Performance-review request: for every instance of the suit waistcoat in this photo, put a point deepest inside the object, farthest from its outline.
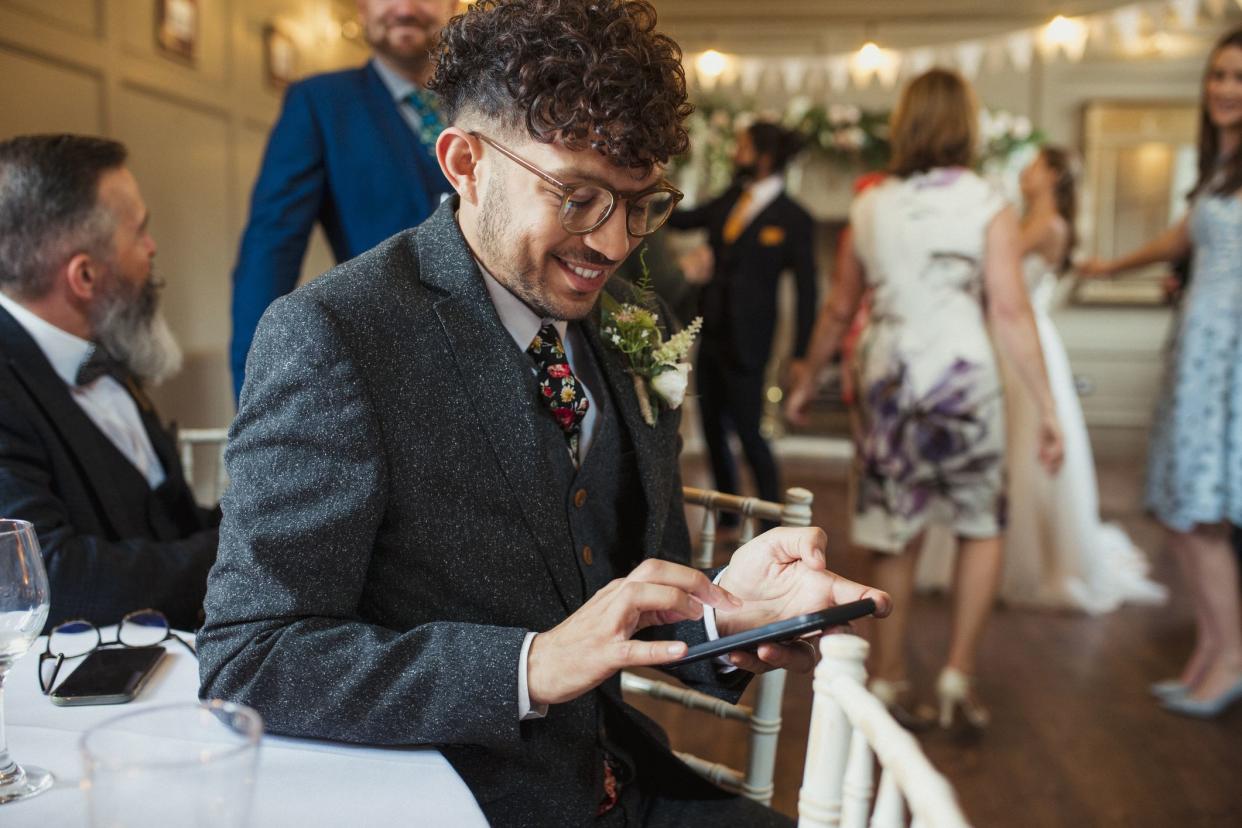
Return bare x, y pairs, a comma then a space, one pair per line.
603, 501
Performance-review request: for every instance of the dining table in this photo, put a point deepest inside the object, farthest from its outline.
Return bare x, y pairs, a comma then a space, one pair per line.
300, 783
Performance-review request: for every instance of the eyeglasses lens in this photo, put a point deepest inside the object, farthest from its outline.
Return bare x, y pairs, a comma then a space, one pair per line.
73, 638
143, 628
584, 208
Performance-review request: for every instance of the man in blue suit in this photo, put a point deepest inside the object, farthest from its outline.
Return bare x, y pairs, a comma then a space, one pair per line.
353, 150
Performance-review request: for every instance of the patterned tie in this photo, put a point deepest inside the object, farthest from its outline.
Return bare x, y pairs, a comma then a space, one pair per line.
736, 222
558, 387
427, 108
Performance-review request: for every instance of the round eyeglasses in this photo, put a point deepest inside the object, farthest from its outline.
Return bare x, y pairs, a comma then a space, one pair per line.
79, 637
586, 207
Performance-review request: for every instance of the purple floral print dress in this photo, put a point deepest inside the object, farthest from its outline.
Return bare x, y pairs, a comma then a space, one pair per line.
932, 442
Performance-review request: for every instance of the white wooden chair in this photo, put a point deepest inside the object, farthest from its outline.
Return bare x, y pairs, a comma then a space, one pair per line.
207, 490
764, 719
850, 730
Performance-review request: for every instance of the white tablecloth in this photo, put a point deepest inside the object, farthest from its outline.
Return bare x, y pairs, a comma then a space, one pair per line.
301, 783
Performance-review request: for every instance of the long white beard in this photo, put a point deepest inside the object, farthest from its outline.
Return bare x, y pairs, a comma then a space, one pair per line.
135, 332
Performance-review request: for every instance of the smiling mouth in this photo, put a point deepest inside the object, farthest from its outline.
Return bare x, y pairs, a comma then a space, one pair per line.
582, 271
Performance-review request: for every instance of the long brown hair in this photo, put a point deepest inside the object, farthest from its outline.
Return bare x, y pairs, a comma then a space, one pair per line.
1064, 193
935, 124
1210, 164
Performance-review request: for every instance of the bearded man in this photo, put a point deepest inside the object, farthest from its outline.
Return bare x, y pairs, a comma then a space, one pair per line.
352, 150
83, 455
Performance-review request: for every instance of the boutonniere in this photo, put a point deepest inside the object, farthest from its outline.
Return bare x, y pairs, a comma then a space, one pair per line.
657, 366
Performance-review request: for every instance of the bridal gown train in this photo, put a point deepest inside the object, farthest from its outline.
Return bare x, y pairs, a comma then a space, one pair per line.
1058, 553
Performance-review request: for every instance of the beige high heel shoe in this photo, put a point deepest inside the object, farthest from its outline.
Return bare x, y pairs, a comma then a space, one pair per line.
955, 690
891, 694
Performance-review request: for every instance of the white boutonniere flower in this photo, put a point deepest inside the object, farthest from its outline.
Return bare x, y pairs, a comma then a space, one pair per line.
657, 367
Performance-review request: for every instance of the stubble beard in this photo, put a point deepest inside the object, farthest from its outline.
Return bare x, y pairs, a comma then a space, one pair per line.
502, 250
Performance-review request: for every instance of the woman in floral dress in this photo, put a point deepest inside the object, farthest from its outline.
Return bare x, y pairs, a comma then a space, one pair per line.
938, 248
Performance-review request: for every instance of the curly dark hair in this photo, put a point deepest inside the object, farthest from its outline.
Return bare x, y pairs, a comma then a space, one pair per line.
590, 73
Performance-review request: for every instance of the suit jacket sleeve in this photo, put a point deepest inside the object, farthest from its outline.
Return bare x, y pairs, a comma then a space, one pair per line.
806, 279
700, 217
286, 601
89, 575
286, 202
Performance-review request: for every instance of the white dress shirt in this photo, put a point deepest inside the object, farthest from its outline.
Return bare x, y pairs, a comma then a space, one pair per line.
762, 193
105, 401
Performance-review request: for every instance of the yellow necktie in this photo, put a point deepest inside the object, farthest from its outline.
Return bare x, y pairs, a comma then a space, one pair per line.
736, 222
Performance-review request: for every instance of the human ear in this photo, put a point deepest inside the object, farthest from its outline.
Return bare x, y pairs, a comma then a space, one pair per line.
82, 274
458, 154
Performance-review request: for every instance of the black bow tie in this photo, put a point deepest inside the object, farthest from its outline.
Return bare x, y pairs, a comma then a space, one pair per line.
99, 363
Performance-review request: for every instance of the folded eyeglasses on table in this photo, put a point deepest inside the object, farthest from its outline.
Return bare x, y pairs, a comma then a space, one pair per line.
78, 637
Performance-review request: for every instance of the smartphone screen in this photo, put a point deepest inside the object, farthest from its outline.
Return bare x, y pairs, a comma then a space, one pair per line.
109, 676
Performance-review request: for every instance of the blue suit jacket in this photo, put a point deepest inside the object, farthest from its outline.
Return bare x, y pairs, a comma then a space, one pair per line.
342, 155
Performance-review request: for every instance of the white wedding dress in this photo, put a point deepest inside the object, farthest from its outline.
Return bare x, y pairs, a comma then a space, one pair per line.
1058, 553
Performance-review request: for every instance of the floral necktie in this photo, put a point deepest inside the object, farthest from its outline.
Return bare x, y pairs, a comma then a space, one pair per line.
558, 387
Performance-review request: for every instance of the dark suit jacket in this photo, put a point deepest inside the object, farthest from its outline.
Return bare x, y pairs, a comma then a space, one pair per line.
385, 546
739, 303
342, 155
110, 544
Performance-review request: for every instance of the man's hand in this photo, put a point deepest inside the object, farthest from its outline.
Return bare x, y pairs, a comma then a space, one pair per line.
782, 574
586, 648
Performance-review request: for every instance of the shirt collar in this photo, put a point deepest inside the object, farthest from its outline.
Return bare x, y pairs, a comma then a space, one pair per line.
63, 350
398, 85
764, 191
520, 321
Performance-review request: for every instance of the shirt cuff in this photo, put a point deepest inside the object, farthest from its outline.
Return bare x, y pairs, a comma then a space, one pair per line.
723, 665
525, 711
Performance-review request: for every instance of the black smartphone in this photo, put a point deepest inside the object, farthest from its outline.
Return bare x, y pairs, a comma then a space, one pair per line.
108, 676
786, 630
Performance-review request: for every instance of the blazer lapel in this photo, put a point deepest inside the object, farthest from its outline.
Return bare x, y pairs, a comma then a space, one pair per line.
405, 152
88, 448
655, 446
502, 389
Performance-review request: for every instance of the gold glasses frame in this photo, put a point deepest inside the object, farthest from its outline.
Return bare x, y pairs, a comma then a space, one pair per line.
615, 196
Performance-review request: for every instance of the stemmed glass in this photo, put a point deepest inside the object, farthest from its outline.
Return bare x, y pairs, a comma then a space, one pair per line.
23, 609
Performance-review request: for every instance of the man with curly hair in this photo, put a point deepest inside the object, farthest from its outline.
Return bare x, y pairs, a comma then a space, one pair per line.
448, 523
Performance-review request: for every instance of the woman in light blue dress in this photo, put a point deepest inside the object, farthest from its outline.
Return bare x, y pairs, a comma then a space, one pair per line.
1194, 484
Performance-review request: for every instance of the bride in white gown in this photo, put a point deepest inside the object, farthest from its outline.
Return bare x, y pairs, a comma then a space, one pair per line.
1058, 553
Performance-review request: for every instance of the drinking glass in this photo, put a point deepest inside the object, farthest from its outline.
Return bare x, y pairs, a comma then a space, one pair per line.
184, 764
23, 609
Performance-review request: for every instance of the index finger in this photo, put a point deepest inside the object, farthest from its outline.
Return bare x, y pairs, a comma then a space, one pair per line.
688, 580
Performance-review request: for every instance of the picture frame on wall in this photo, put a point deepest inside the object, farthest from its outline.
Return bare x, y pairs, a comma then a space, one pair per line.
176, 28
280, 57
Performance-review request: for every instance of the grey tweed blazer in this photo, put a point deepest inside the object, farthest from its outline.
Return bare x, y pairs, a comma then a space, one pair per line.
384, 549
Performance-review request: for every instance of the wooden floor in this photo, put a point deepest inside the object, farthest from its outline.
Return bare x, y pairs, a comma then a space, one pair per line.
1075, 739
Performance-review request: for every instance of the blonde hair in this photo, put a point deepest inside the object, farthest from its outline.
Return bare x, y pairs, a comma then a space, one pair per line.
935, 124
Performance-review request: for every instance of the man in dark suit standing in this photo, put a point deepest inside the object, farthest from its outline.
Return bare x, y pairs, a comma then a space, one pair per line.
352, 150
449, 523
757, 233
83, 455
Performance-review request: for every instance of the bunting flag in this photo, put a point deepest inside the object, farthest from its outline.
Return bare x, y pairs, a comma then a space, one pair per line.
1130, 26
1021, 49
838, 69
969, 57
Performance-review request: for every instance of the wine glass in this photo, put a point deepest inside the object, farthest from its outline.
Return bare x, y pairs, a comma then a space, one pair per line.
23, 609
